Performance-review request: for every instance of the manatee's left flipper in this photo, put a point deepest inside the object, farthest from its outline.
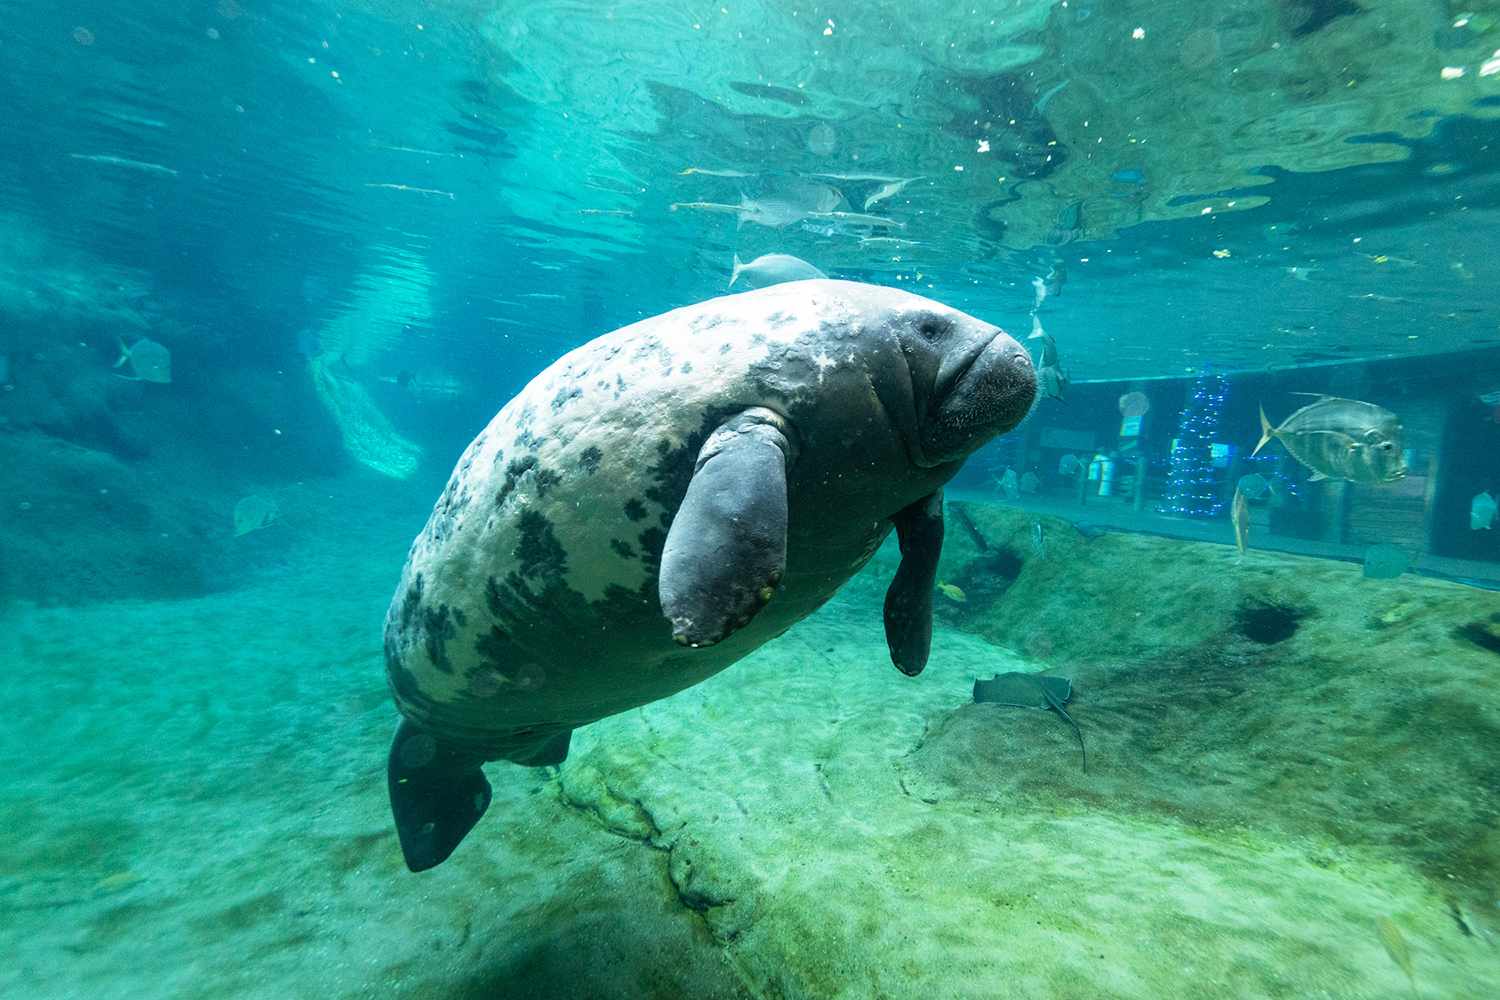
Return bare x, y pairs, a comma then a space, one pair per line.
908, 602
438, 792
726, 549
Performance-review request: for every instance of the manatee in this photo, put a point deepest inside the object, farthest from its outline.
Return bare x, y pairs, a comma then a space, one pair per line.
662, 501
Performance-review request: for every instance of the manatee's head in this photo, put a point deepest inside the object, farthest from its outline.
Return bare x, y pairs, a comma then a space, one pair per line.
970, 381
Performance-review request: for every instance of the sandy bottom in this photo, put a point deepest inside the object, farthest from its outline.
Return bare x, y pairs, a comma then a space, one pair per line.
194, 806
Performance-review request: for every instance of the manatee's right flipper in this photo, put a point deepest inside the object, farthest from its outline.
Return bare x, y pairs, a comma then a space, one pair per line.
726, 550
908, 602
438, 792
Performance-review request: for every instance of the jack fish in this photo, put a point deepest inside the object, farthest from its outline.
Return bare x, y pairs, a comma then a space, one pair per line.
1341, 439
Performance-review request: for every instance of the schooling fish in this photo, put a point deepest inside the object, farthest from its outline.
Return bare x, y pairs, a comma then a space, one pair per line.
772, 212
709, 172
772, 269
857, 219
149, 361
887, 189
1341, 439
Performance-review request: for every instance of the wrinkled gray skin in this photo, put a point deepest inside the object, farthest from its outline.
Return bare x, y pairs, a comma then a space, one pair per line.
667, 498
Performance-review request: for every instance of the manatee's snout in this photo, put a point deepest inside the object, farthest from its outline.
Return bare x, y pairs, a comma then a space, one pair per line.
981, 392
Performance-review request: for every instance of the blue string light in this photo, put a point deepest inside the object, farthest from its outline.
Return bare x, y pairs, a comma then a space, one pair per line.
1192, 486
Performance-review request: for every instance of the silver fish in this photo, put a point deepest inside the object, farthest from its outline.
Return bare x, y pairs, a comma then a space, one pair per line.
1051, 380
774, 212
710, 172
127, 163
1038, 539
887, 190
772, 269
857, 219
1341, 439
1239, 515
893, 241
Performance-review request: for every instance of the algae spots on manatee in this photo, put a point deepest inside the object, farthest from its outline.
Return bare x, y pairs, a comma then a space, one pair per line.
542, 479
437, 627
622, 548
590, 459
538, 552
565, 396
410, 602
634, 509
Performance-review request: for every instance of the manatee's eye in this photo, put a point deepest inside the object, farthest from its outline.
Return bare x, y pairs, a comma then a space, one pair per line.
932, 327
1387, 446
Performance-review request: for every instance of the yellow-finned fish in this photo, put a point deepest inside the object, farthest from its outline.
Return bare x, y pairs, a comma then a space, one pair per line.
952, 591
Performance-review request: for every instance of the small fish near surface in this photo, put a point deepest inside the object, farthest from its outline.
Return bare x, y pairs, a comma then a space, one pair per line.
1239, 514
148, 360
952, 591
1021, 690
427, 383
1051, 380
887, 190
772, 269
1341, 439
859, 219
1038, 539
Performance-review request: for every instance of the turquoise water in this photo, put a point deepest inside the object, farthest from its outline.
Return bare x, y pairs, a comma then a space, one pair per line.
267, 269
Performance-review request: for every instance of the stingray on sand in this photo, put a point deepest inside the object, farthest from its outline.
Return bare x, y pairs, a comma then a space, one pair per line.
1021, 690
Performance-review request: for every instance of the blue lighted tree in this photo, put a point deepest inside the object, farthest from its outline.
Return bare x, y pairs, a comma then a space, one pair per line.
1192, 486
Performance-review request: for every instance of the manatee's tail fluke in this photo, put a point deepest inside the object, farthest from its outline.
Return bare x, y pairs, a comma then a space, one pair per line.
734, 275
438, 792
1267, 432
